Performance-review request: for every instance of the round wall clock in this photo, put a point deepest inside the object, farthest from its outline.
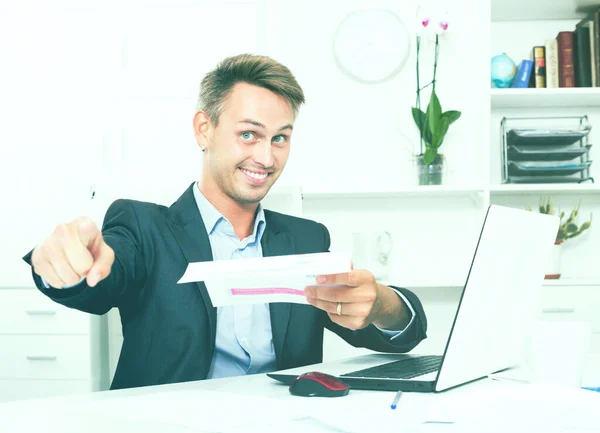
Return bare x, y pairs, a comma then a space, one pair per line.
371, 45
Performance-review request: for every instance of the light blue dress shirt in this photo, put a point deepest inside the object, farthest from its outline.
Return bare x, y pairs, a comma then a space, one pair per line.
244, 341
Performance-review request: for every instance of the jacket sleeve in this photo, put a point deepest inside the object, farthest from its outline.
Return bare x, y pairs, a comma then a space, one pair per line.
121, 231
374, 339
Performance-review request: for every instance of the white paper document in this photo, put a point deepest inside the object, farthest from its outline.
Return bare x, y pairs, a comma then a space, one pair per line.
264, 279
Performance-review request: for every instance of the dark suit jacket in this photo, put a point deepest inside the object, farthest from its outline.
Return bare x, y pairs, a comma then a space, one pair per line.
169, 328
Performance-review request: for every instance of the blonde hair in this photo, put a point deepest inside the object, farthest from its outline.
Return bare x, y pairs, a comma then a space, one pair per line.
261, 71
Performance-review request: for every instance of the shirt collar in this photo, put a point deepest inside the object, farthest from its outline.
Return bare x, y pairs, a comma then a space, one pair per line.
212, 217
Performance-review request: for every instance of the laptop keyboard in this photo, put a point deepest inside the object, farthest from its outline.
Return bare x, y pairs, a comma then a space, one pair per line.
402, 369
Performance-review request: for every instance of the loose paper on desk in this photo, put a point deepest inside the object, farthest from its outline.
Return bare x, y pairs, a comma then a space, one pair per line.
264, 279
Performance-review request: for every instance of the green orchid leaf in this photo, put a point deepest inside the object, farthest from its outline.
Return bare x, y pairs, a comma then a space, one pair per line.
419, 117
438, 136
452, 116
434, 113
429, 156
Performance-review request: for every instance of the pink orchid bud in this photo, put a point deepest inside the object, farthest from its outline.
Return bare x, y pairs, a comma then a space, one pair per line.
442, 22
423, 20
423, 25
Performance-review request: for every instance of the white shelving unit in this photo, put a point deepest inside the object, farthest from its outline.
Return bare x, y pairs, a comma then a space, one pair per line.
548, 98
577, 189
516, 26
572, 282
526, 10
414, 191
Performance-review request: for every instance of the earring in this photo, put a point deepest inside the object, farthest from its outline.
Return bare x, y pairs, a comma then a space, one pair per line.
203, 148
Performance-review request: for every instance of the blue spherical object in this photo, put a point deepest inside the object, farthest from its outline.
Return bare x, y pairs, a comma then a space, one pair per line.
503, 71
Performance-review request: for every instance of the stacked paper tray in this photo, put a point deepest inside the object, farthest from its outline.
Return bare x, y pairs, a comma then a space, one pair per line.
547, 155
545, 137
525, 169
559, 153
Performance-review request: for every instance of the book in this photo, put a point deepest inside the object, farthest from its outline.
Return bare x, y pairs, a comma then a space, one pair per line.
596, 26
566, 59
539, 66
583, 67
523, 74
594, 54
552, 63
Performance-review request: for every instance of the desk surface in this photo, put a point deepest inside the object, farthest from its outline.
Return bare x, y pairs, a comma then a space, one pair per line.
261, 404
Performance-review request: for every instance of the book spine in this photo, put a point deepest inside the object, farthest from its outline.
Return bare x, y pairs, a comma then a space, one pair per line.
593, 54
552, 63
583, 69
566, 60
596, 19
539, 62
523, 74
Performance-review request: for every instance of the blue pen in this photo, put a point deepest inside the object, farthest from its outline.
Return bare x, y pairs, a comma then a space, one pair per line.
396, 399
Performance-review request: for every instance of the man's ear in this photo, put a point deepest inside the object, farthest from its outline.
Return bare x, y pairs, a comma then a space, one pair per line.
201, 127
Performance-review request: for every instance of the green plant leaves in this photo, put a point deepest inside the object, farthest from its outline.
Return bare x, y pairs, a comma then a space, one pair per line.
433, 125
452, 116
418, 117
429, 156
434, 113
438, 135
569, 228
421, 122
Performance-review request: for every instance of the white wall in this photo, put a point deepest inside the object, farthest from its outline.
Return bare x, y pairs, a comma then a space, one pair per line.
361, 137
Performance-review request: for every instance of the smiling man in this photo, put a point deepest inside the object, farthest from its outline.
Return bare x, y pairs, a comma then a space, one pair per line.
172, 333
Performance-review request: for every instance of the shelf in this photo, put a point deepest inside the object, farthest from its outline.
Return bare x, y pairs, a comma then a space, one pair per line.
545, 98
414, 191
572, 282
530, 10
544, 188
411, 285
459, 285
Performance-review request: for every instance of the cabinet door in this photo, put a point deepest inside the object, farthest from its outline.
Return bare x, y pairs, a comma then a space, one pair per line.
29, 312
45, 357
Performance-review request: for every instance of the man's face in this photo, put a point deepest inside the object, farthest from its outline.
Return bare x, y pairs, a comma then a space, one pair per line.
249, 148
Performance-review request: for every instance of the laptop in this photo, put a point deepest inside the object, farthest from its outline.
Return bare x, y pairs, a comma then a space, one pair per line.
497, 303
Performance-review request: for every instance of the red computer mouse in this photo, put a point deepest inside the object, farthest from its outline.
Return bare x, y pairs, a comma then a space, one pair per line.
315, 384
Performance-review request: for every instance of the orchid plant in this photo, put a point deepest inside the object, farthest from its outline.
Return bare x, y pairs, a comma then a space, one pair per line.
433, 123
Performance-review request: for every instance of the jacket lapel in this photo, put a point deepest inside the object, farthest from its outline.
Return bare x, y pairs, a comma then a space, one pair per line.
188, 228
277, 243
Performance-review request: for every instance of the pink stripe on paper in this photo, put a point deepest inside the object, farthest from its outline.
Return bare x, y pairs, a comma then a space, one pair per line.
266, 291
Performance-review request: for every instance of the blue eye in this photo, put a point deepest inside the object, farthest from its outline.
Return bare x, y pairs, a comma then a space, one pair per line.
247, 135
279, 139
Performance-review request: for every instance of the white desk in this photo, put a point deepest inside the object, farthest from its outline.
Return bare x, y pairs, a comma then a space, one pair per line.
184, 408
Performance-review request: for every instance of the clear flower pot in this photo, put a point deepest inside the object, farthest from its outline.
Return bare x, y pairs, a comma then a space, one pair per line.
430, 174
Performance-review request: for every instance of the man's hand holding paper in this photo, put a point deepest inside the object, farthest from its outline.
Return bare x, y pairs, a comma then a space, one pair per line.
351, 298
354, 300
